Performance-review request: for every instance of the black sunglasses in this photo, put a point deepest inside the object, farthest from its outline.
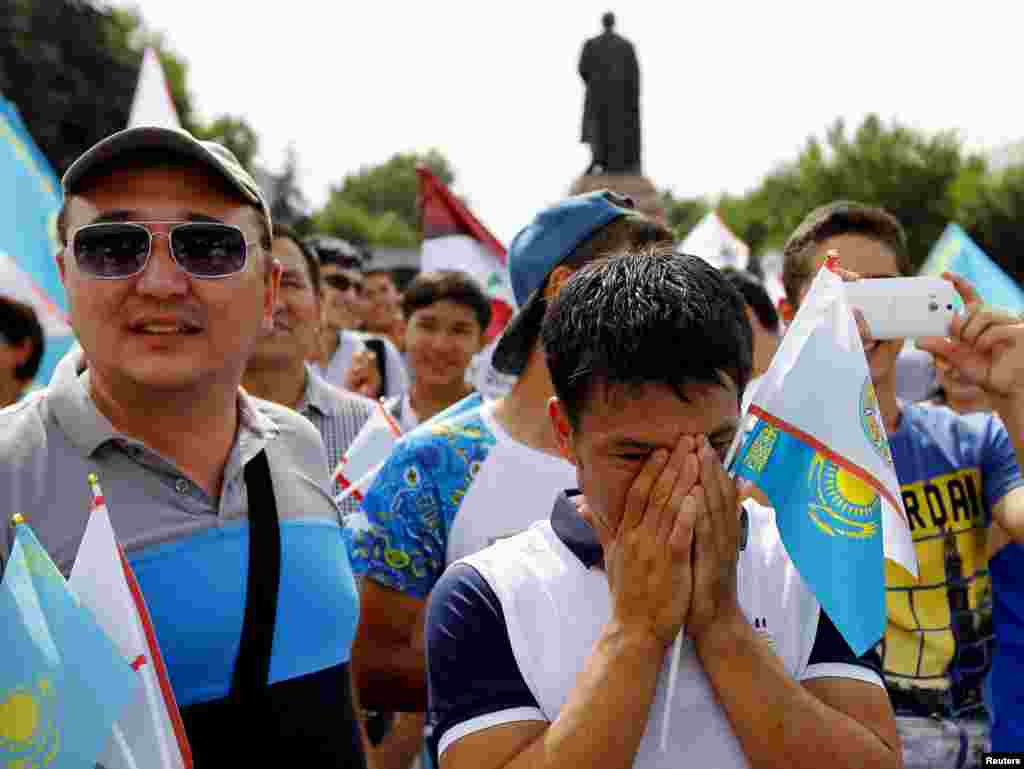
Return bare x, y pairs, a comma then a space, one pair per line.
122, 249
343, 283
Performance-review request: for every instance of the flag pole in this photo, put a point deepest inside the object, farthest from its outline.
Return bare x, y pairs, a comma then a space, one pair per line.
361, 482
152, 698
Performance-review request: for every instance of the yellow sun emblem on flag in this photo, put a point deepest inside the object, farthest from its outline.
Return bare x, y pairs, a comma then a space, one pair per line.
29, 737
842, 504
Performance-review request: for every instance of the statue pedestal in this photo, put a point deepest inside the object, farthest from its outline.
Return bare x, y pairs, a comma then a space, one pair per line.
639, 188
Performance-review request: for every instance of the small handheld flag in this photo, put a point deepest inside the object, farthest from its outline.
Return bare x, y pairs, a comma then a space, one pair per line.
367, 453
820, 452
63, 682
151, 733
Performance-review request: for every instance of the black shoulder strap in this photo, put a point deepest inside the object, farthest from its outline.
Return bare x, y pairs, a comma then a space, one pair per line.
378, 347
252, 666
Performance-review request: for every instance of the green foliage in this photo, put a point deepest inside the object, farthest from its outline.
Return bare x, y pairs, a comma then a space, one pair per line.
354, 223
992, 215
377, 204
235, 134
71, 67
924, 180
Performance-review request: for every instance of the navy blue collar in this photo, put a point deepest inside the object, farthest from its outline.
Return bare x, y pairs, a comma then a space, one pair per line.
575, 533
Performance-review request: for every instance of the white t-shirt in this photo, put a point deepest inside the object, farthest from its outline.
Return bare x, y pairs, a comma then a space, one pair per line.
510, 628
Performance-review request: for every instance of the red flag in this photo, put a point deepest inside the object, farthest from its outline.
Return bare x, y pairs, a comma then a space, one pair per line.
454, 239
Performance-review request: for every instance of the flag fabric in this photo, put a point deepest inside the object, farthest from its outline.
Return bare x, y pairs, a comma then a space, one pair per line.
30, 199
819, 451
153, 104
368, 451
956, 252
715, 243
454, 239
63, 682
152, 730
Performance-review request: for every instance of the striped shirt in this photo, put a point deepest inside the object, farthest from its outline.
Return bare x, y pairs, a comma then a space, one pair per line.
338, 415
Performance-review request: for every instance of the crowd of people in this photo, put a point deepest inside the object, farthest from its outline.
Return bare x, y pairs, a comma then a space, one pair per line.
508, 589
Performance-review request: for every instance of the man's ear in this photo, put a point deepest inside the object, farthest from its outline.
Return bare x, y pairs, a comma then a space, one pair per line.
271, 291
562, 428
786, 310
558, 278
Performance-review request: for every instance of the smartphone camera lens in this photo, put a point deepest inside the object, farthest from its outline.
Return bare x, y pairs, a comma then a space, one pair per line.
949, 307
933, 306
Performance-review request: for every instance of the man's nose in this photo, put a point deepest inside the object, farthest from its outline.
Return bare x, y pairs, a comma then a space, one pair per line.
162, 276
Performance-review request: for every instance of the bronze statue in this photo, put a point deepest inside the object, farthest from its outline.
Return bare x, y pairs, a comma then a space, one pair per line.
611, 111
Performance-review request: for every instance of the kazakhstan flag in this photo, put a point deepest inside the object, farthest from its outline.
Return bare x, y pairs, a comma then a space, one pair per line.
63, 683
831, 525
820, 453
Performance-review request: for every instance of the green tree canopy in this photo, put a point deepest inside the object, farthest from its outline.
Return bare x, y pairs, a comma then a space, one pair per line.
71, 68
377, 204
926, 181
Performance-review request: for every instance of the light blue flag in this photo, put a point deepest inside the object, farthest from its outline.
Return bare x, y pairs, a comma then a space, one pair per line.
956, 252
63, 683
30, 199
819, 452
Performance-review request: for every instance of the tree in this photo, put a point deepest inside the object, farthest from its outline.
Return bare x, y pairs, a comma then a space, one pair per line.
71, 68
288, 204
682, 214
908, 173
377, 205
235, 134
992, 212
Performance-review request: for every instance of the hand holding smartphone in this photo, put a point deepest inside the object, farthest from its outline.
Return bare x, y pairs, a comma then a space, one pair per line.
904, 308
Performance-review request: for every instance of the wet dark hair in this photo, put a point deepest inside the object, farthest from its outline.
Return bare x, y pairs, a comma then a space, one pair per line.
842, 217
312, 263
755, 295
457, 286
18, 322
645, 316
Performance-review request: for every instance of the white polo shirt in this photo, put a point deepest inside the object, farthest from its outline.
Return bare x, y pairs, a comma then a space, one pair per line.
510, 628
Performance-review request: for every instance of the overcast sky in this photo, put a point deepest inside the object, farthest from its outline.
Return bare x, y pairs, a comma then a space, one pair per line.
728, 89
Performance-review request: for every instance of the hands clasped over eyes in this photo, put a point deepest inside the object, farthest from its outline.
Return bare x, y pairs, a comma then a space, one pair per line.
673, 559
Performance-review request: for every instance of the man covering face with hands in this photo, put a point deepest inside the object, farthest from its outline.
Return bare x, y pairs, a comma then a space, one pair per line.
553, 648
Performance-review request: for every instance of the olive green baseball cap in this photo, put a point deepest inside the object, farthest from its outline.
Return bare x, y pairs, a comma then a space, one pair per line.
174, 141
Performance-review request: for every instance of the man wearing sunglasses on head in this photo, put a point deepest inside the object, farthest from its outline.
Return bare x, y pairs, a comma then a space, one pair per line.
220, 500
368, 364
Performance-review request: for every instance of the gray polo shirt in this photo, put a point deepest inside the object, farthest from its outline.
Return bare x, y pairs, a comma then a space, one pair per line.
338, 415
189, 550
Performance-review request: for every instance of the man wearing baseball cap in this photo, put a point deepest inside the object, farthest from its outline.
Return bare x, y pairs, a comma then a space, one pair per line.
221, 500
479, 471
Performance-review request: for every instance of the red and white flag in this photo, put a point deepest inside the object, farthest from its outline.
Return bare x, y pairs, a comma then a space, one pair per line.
151, 733
153, 105
367, 453
454, 239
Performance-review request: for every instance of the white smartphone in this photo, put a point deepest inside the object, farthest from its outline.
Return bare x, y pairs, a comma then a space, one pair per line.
904, 308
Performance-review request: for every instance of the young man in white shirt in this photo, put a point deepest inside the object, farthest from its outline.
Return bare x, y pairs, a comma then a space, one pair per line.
552, 648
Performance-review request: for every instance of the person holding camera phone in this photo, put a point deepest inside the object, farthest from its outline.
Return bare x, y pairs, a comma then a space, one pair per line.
961, 486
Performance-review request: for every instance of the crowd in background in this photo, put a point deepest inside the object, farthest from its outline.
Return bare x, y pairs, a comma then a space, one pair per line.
341, 337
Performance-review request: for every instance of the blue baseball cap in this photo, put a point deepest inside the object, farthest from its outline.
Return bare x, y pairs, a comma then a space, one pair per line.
550, 239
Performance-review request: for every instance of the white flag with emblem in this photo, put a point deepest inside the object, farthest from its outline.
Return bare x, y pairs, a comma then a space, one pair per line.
150, 733
367, 453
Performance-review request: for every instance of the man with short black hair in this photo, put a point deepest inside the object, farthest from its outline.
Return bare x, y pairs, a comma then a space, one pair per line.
479, 471
278, 371
552, 648
961, 485
364, 363
221, 501
21, 349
